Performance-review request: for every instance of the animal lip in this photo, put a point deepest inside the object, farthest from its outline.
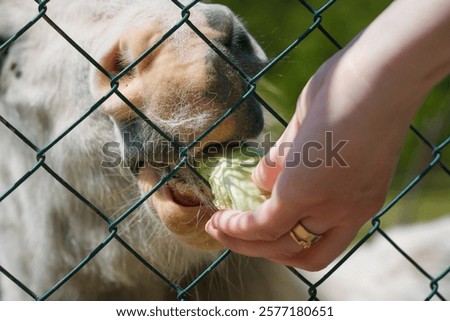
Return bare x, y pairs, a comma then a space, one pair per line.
182, 194
182, 215
182, 188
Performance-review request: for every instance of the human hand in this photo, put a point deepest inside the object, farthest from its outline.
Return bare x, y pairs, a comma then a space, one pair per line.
330, 197
363, 97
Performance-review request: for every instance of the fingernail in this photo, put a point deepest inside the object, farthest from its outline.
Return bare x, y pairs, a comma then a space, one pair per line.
209, 226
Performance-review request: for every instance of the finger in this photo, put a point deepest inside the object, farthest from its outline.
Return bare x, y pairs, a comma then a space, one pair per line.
264, 224
321, 253
266, 172
282, 248
287, 252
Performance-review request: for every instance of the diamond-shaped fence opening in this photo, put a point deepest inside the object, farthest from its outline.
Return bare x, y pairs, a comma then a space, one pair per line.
115, 221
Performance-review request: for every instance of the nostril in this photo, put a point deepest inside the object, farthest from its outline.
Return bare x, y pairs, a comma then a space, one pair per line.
120, 63
240, 40
235, 38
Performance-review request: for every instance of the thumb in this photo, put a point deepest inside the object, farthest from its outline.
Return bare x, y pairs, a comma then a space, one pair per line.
269, 168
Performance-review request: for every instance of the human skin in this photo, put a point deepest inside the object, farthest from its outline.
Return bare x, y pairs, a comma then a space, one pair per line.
367, 95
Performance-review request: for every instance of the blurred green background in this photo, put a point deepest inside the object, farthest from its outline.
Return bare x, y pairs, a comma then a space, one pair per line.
277, 23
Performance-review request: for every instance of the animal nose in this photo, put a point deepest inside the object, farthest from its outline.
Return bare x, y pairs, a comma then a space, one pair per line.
232, 73
184, 86
231, 36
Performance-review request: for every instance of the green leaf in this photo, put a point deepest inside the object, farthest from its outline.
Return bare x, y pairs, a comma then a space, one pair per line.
230, 178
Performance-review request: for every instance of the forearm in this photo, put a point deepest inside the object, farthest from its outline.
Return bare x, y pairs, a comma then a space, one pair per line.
366, 94
404, 52
410, 38
381, 78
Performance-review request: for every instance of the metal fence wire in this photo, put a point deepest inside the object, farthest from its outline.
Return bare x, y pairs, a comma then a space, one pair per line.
44, 6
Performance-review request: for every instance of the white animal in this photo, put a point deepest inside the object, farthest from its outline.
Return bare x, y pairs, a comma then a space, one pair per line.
113, 158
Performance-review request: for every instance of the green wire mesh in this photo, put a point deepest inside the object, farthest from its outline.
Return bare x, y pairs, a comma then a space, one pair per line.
316, 26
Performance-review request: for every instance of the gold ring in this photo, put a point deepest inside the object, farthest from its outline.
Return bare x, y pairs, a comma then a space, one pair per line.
303, 237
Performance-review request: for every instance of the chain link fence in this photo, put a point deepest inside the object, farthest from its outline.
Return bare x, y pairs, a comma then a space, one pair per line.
43, 7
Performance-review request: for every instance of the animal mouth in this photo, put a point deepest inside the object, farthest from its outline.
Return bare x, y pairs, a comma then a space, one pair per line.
183, 204
182, 193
